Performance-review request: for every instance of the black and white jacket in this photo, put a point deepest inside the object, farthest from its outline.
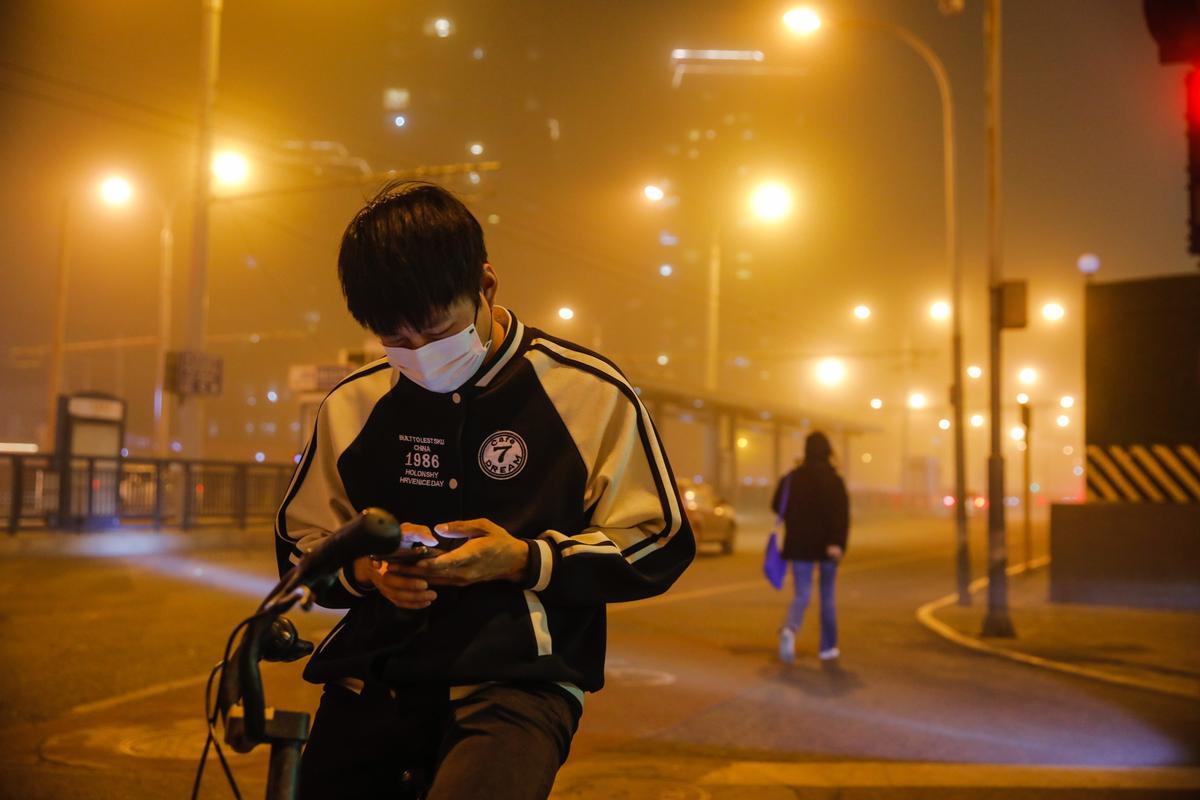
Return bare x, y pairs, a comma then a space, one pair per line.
550, 442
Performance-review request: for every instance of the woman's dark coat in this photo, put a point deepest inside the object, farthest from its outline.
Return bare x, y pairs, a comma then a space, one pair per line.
817, 513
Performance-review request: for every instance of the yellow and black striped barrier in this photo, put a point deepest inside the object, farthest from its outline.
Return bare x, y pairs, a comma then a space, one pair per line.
1140, 473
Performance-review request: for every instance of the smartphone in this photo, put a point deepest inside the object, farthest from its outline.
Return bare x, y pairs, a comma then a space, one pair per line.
411, 555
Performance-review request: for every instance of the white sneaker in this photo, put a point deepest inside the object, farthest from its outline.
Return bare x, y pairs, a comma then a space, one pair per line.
787, 645
830, 654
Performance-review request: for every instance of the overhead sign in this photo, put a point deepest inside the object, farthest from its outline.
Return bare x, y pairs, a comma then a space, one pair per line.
192, 373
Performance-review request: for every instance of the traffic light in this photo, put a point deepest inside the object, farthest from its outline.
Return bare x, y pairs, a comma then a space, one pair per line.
1175, 26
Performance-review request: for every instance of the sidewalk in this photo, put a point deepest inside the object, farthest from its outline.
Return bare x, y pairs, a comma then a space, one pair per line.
1156, 650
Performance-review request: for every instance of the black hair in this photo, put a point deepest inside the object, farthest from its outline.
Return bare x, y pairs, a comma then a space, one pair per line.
411, 252
817, 448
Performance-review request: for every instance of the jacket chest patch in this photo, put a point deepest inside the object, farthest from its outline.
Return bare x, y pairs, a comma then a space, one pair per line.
502, 455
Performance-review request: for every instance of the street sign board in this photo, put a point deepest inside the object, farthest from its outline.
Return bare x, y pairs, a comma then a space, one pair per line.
191, 373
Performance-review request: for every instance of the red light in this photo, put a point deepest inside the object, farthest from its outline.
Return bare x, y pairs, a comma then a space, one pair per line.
1192, 81
980, 502
199, 488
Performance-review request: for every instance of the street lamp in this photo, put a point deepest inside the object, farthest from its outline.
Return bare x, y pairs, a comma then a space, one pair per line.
805, 21
1053, 312
939, 310
771, 201
230, 168
653, 193
115, 191
862, 312
830, 371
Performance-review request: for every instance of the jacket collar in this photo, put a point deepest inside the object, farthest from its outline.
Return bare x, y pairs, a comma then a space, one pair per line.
514, 333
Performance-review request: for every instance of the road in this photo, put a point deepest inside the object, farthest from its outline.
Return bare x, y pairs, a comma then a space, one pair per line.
107, 638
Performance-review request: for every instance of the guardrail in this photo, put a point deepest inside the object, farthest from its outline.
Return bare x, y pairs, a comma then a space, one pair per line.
39, 491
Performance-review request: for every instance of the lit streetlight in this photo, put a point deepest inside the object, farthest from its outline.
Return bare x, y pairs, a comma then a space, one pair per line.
977, 420
230, 168
862, 312
1066, 401
115, 191
830, 371
876, 403
974, 372
1027, 376
944, 424
1063, 420
1053, 312
1022, 398
803, 21
566, 313
940, 310
663, 359
771, 201
917, 401
653, 193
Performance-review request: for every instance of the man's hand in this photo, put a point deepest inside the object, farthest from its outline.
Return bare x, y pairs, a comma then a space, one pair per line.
492, 554
834, 552
404, 591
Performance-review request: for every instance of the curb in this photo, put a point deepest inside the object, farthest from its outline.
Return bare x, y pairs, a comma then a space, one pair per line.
925, 615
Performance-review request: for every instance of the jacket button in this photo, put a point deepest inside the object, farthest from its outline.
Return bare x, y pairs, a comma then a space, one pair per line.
456, 397
454, 483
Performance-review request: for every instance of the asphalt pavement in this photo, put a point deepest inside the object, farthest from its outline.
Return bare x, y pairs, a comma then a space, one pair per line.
107, 640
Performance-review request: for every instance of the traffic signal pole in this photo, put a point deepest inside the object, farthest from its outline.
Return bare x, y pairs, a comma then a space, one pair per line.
996, 622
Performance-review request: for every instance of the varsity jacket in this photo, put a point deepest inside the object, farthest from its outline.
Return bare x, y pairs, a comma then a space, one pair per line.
549, 441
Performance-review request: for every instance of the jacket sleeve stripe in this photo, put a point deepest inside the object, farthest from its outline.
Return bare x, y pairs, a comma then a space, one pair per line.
310, 452
668, 495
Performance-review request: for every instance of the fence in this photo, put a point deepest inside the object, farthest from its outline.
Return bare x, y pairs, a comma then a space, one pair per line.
37, 491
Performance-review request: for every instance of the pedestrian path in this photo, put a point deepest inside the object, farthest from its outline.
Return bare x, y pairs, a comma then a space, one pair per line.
1154, 650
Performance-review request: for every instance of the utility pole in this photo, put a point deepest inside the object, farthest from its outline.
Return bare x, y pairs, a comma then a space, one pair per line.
712, 332
1027, 496
162, 427
58, 340
191, 416
996, 622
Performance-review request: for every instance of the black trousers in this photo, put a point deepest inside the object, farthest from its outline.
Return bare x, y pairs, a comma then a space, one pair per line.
503, 742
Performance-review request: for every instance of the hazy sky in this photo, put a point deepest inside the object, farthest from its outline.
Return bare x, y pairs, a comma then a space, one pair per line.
575, 100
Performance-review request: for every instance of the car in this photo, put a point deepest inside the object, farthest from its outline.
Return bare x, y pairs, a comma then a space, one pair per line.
712, 519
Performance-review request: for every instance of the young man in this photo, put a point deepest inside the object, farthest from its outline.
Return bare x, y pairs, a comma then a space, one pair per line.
534, 456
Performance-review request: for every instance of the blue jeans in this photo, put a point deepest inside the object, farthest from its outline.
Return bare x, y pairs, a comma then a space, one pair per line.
802, 576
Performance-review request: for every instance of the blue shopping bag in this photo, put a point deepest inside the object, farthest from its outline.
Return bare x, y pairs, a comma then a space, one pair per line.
774, 567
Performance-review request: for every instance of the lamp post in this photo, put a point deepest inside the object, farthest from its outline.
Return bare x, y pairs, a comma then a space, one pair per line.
804, 22
997, 621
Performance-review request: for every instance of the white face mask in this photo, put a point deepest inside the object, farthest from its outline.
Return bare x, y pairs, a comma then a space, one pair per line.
444, 365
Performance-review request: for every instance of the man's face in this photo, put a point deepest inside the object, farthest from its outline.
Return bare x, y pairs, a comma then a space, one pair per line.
456, 318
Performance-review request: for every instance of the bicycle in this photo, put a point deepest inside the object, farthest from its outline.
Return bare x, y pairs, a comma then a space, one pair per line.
269, 636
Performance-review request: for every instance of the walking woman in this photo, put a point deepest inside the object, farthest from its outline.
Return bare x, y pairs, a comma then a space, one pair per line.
812, 501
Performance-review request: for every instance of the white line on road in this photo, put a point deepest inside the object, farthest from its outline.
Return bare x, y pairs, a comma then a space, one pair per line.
139, 694
891, 774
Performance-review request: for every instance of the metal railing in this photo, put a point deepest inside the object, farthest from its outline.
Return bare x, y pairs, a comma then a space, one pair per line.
40, 491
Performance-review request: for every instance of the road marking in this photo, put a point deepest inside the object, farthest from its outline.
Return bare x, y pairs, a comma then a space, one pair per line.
891, 774
925, 615
758, 583
677, 597
139, 694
